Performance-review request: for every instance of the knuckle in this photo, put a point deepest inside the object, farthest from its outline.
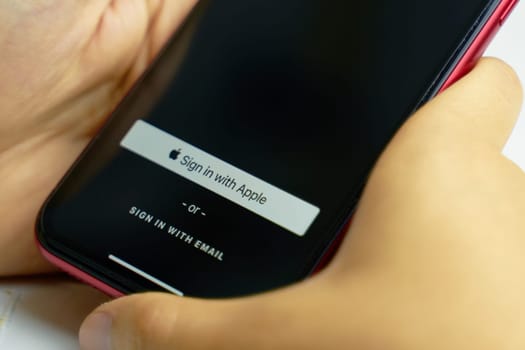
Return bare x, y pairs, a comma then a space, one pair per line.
506, 78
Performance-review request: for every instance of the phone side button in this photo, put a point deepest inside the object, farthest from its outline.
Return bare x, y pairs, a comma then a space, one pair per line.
507, 11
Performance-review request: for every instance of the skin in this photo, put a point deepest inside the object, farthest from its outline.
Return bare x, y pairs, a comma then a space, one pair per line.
434, 258
60, 76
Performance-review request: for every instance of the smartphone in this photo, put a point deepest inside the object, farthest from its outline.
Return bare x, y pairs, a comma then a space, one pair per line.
234, 163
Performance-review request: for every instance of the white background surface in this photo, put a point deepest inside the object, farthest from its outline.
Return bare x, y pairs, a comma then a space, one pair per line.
45, 314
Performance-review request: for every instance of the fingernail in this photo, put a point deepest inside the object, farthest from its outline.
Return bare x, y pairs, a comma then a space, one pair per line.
95, 332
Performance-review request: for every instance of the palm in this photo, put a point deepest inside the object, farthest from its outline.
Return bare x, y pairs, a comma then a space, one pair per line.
63, 66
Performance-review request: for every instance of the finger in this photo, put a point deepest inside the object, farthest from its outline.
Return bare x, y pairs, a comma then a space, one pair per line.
126, 38
479, 109
270, 321
161, 322
129, 34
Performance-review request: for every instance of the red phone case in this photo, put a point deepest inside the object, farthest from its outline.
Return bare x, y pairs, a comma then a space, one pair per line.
464, 65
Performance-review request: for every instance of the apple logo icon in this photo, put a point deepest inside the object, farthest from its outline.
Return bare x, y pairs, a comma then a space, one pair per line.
174, 154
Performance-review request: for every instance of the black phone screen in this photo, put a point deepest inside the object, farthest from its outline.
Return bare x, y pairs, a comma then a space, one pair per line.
240, 155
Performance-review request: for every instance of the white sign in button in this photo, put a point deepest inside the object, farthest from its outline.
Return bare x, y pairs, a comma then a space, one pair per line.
222, 178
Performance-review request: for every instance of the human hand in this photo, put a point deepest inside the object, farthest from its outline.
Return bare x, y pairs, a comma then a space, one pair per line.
64, 65
434, 258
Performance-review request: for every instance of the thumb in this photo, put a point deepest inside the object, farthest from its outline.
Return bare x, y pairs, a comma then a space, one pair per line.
154, 321
480, 109
288, 318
